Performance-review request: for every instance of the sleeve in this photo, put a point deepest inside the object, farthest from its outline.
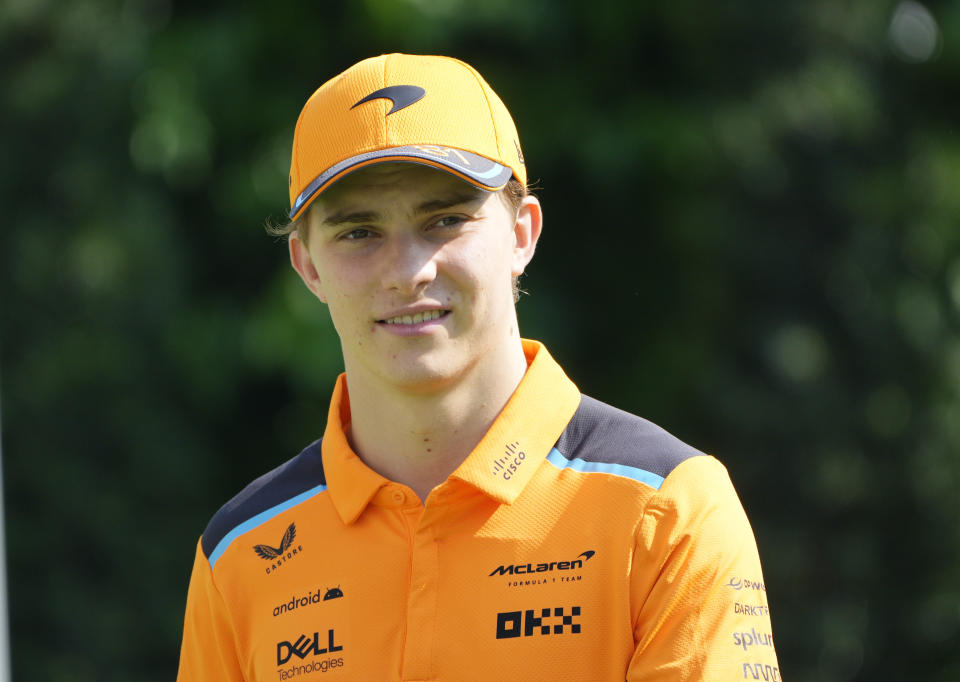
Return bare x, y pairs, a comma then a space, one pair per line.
698, 600
208, 652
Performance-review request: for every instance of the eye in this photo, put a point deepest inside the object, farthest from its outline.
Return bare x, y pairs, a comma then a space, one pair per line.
449, 221
356, 234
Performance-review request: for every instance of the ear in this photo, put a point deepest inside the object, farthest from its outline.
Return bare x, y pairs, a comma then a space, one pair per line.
526, 232
303, 264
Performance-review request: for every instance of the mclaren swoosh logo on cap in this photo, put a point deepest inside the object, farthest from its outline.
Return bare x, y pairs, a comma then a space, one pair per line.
402, 96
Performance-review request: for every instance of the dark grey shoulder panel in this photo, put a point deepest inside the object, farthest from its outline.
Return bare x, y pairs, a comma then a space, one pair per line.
601, 433
293, 477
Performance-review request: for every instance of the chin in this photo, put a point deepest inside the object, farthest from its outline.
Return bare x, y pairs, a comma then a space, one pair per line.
420, 379
423, 373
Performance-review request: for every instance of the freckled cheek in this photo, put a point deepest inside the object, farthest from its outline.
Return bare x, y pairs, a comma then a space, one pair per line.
349, 311
372, 324
464, 280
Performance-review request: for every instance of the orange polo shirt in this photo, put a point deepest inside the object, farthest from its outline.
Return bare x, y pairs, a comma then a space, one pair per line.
576, 542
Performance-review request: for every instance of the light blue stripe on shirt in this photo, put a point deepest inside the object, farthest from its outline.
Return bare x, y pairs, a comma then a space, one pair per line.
651, 479
260, 519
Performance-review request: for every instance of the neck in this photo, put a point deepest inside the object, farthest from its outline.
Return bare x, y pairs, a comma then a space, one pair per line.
428, 434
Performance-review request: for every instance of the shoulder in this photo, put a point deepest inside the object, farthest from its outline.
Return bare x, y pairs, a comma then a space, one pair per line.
287, 485
600, 437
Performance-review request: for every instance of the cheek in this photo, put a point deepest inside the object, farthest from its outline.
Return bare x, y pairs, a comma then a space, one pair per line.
338, 280
346, 300
350, 315
484, 265
346, 304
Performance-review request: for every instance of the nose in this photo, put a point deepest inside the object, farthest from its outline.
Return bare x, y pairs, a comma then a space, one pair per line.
409, 265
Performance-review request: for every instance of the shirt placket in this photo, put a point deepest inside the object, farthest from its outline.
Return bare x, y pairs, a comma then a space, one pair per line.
418, 649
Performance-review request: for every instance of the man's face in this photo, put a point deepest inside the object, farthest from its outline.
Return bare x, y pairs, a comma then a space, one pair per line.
416, 267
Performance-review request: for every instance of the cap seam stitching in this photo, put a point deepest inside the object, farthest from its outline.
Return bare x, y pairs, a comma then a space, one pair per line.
486, 98
383, 139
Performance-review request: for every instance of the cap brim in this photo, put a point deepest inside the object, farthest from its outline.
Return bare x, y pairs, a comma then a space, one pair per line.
475, 169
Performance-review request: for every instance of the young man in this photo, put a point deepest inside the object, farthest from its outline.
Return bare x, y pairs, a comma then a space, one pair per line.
468, 514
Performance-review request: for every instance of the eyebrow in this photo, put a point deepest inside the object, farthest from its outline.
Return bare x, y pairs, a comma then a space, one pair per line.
450, 201
439, 204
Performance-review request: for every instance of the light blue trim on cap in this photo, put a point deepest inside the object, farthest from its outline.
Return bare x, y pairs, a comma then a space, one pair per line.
259, 520
648, 477
495, 170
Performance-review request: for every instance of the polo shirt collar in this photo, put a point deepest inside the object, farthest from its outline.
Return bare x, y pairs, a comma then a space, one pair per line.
351, 483
501, 464
525, 431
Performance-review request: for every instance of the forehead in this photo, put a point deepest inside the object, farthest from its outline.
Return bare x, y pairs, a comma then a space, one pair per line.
396, 180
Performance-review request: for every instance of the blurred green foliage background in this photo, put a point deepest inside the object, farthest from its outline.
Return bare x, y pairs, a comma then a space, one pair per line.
751, 240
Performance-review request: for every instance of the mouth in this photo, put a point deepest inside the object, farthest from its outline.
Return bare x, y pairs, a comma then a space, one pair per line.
416, 318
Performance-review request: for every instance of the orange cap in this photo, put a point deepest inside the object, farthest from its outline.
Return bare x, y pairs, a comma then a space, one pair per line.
435, 111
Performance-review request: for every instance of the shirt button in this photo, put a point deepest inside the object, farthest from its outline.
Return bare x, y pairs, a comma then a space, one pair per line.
398, 496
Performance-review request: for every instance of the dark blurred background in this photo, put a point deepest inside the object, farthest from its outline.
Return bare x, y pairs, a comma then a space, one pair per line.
751, 240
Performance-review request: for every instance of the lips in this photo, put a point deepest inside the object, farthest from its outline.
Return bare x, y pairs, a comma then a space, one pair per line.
416, 318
